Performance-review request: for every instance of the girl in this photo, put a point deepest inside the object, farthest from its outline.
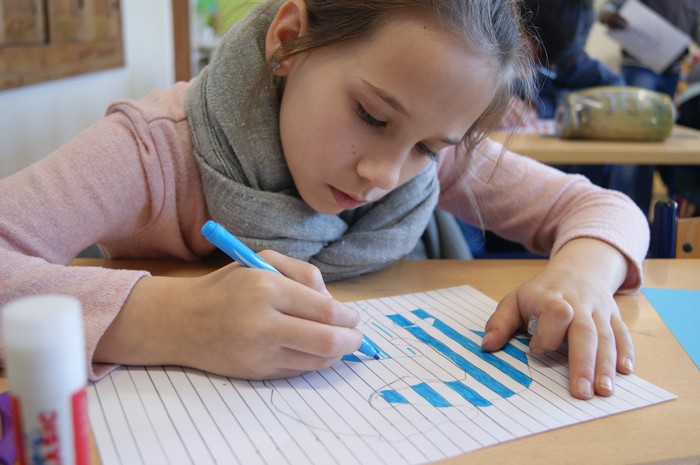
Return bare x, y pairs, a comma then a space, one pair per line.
326, 132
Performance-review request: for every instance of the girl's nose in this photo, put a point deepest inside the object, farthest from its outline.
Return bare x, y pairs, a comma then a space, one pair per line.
383, 170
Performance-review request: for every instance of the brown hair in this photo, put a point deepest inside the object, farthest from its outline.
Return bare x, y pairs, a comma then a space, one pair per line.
491, 27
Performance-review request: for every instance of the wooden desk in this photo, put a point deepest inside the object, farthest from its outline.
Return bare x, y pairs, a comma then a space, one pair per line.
682, 147
660, 432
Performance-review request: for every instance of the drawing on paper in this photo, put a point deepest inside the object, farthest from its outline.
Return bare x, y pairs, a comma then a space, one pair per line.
469, 377
432, 395
471, 383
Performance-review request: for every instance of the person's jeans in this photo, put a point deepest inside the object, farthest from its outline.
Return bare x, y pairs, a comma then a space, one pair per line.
636, 180
646, 78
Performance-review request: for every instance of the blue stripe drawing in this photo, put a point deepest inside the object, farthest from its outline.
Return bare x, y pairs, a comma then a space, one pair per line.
476, 387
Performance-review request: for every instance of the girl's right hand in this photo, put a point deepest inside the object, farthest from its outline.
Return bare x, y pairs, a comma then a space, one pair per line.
238, 322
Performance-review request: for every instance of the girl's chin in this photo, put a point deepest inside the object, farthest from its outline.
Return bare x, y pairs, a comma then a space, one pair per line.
325, 206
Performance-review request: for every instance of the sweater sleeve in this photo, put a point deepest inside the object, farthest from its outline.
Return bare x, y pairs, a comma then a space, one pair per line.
126, 183
540, 207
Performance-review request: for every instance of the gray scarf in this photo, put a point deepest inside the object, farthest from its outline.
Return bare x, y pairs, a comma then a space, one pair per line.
248, 187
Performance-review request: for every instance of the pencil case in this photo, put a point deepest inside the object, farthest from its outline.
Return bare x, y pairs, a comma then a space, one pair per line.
614, 113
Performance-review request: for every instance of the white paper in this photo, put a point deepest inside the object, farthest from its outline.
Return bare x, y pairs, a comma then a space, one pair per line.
648, 37
432, 395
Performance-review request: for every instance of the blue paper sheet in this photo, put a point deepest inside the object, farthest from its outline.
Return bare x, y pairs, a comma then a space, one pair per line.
680, 310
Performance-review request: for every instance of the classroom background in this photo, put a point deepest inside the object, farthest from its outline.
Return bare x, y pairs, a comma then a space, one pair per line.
38, 118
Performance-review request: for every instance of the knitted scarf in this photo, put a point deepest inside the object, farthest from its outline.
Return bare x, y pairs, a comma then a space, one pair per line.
249, 189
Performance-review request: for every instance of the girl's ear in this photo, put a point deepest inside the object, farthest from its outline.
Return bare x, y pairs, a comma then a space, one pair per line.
289, 24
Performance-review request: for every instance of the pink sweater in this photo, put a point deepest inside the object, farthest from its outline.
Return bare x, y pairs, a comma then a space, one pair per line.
130, 183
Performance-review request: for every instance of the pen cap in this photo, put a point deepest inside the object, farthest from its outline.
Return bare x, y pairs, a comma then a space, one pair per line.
44, 345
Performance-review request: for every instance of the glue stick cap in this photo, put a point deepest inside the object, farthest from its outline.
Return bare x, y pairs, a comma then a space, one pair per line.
44, 344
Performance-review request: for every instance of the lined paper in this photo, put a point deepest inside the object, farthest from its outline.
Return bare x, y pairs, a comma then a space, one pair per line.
432, 395
649, 37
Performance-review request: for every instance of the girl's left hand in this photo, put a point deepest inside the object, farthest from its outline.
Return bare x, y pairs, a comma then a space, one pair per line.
572, 299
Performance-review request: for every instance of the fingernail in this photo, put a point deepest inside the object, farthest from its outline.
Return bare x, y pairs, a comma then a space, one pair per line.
346, 309
584, 388
628, 363
532, 325
605, 382
486, 339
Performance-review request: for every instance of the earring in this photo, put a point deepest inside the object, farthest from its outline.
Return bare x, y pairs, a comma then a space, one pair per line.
274, 80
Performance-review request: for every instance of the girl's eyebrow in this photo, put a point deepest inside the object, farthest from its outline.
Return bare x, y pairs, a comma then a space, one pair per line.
396, 105
384, 95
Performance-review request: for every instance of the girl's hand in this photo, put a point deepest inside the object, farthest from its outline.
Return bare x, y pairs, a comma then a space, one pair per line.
238, 322
573, 300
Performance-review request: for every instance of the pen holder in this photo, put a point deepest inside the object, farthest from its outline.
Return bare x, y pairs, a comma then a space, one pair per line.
615, 113
663, 230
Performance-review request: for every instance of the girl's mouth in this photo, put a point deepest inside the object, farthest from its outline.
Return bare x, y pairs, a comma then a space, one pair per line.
346, 201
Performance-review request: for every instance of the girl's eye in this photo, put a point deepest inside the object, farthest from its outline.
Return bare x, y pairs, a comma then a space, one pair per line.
424, 150
369, 119
374, 122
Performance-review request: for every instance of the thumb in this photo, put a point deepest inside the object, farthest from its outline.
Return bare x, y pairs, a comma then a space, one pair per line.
502, 323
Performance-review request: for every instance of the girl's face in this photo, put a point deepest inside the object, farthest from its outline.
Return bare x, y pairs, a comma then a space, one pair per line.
358, 121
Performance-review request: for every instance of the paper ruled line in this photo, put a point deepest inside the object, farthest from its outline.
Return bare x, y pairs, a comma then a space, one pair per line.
431, 396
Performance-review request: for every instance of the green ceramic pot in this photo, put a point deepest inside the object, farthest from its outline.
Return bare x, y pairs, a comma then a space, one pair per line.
615, 113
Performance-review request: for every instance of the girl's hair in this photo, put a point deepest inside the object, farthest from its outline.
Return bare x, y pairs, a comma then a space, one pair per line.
491, 27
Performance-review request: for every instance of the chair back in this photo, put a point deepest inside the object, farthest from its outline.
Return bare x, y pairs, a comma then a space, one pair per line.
688, 237
673, 237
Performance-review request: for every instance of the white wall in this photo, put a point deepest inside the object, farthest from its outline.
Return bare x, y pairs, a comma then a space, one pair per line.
37, 119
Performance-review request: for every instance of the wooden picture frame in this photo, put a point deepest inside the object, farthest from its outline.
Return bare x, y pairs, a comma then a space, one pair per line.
41, 40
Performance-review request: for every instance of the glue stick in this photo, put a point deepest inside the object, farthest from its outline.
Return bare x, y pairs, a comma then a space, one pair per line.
47, 377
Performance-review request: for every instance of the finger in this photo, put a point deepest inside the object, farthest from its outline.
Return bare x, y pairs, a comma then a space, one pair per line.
302, 302
315, 338
620, 22
304, 364
583, 346
552, 325
297, 270
606, 357
502, 323
276, 362
625, 346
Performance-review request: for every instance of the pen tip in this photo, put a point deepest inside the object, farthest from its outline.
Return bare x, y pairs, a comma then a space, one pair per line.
376, 356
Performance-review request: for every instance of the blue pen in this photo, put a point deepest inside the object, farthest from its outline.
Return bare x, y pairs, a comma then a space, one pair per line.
234, 248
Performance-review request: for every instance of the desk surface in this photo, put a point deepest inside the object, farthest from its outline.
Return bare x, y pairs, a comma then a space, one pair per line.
682, 147
659, 432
